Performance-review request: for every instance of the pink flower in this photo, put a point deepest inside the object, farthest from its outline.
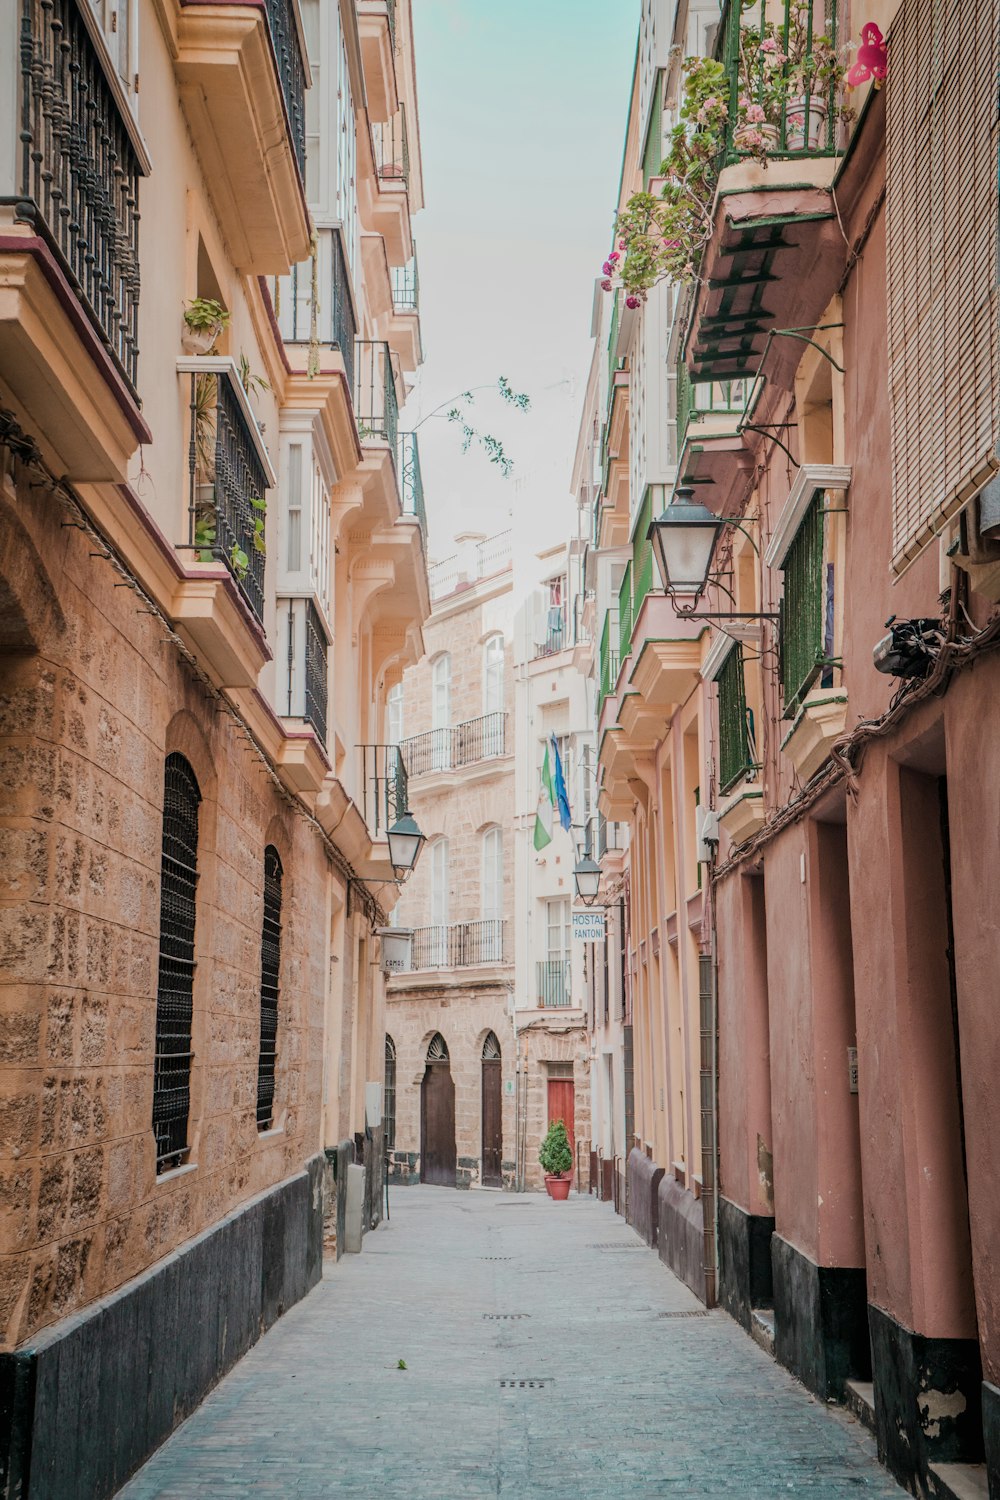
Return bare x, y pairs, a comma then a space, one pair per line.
621, 244
711, 102
614, 256
744, 101
671, 244
756, 115
605, 286
606, 268
769, 44
631, 302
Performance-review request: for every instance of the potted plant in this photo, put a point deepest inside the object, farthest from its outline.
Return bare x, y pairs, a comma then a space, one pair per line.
204, 320
556, 1157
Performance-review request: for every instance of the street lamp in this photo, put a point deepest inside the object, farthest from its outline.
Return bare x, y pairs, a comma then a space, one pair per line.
684, 539
405, 843
587, 878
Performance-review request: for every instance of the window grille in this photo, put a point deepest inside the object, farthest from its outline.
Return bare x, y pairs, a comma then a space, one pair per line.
270, 964
438, 1049
491, 1048
317, 672
175, 981
736, 757
802, 613
389, 1104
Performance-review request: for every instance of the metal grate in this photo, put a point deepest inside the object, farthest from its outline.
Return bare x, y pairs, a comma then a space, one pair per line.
735, 724
615, 1245
697, 1312
459, 945
389, 1104
79, 170
504, 1317
496, 1257
270, 964
317, 672
291, 72
438, 1049
491, 1048
802, 608
530, 1384
175, 981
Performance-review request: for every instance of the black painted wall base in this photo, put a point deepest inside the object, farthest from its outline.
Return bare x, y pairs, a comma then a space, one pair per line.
929, 1400
93, 1396
680, 1233
991, 1437
745, 1279
643, 1181
820, 1320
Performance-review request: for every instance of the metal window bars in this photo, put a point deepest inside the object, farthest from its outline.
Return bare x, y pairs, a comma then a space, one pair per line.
226, 484
553, 981
175, 977
389, 1094
411, 483
736, 759
270, 965
291, 73
463, 744
459, 945
391, 148
625, 614
799, 99
316, 673
802, 608
384, 787
79, 177
376, 407
406, 286
610, 639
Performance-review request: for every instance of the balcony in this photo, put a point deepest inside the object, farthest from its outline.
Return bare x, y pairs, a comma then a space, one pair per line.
384, 787
406, 286
776, 254
329, 320
376, 405
609, 657
411, 484
553, 982
404, 331
610, 836
553, 636
303, 663
390, 209
476, 560
242, 77
377, 32
712, 452
460, 945
466, 744
69, 308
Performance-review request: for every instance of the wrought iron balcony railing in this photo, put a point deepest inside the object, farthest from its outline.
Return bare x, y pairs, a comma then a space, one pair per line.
462, 744
228, 478
460, 945
317, 672
406, 286
79, 172
799, 120
291, 72
554, 637
375, 405
327, 318
609, 835
553, 983
392, 151
384, 787
411, 482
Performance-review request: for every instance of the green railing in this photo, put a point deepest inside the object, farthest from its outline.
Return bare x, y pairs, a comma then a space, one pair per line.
625, 614
411, 483
683, 403
642, 557
736, 757
610, 637
802, 608
652, 156
612, 344
798, 121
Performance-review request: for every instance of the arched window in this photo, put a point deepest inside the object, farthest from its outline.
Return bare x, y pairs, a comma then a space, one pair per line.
491, 931
389, 1105
437, 1051
175, 979
491, 1048
270, 966
394, 715
493, 655
441, 711
439, 903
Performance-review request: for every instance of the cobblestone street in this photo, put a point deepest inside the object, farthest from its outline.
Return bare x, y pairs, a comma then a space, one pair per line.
629, 1387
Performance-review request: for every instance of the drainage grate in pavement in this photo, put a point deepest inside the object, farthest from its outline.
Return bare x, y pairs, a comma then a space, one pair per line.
499, 1317
698, 1312
526, 1385
616, 1245
496, 1257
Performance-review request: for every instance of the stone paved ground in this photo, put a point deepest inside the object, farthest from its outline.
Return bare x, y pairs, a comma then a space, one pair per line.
636, 1403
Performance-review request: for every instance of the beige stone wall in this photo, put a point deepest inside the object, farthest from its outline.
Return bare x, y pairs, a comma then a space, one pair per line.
86, 719
542, 1046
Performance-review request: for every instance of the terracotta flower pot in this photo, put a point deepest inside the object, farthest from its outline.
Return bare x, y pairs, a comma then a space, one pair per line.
557, 1185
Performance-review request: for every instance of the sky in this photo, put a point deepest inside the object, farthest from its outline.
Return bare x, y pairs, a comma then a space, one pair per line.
522, 108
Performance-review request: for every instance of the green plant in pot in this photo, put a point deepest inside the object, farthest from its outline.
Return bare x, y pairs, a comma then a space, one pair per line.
204, 320
556, 1158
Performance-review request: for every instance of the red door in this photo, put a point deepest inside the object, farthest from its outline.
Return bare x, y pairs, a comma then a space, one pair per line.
561, 1104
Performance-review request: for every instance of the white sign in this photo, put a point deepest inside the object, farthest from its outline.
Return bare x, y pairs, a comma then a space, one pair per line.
588, 926
508, 1087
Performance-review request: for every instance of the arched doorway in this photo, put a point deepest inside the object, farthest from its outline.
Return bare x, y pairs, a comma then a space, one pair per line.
492, 1173
437, 1117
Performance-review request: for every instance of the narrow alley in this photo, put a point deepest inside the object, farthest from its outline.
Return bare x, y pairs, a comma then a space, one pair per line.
624, 1384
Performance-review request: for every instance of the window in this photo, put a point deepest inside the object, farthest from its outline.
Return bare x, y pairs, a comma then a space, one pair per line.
492, 874
557, 928
441, 711
439, 903
493, 654
175, 980
803, 608
116, 19
737, 756
270, 964
394, 715
389, 1105
554, 971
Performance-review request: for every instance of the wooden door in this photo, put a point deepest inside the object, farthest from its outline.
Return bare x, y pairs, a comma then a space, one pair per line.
437, 1125
492, 1126
561, 1104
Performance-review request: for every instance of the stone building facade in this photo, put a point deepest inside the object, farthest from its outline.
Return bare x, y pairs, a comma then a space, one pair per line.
212, 571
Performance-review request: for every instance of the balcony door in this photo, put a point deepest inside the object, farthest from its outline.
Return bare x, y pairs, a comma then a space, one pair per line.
439, 904
493, 691
558, 936
491, 946
441, 712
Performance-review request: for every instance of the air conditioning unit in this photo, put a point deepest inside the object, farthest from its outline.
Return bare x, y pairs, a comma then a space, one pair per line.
706, 826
